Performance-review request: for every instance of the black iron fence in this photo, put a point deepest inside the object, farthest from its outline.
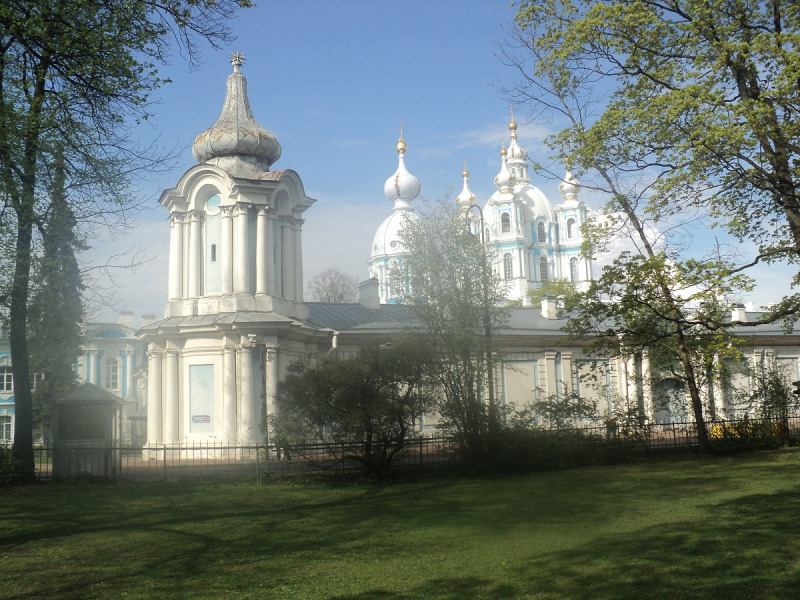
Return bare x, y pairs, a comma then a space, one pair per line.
175, 462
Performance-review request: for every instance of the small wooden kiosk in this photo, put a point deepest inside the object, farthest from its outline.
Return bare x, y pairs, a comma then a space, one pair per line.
87, 423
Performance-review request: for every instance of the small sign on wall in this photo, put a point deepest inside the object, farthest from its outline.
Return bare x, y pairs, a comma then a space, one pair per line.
201, 418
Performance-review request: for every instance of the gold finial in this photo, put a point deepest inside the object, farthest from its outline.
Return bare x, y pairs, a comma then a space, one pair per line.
465, 173
513, 125
237, 60
503, 149
401, 143
566, 162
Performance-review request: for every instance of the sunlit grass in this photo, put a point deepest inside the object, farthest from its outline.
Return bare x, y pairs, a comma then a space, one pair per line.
719, 527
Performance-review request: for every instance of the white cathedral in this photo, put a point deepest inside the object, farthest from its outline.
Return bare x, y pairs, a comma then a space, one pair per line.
235, 319
532, 240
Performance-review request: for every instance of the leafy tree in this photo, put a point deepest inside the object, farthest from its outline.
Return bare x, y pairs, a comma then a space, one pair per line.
684, 113
770, 394
560, 288
361, 408
566, 410
74, 76
457, 304
333, 285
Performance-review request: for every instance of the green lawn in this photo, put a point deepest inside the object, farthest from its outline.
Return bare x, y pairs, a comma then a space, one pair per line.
689, 527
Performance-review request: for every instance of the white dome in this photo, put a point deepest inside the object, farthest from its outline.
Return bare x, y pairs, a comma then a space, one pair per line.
387, 238
569, 187
536, 202
402, 187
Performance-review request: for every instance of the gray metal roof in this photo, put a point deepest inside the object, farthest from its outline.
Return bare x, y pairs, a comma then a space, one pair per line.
342, 317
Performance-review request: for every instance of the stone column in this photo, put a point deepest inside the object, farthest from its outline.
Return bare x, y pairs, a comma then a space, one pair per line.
566, 372
298, 260
154, 397
242, 258
246, 429
263, 250
94, 367
185, 256
229, 393
287, 258
226, 249
195, 252
176, 256
273, 255
312, 360
130, 364
171, 398
272, 378
551, 384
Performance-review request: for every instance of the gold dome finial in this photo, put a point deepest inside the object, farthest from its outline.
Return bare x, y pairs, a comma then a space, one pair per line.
465, 173
503, 149
513, 124
401, 143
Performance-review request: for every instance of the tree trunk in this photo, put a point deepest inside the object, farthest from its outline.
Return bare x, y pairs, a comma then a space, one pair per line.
22, 450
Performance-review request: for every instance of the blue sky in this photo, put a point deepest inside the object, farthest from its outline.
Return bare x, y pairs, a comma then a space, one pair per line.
333, 81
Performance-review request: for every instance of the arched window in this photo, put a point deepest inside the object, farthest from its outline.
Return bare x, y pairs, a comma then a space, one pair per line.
505, 223
508, 267
541, 233
570, 228
111, 373
543, 269
6, 380
573, 269
486, 235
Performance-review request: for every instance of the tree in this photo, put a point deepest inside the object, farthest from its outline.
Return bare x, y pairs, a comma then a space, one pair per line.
683, 113
333, 285
457, 305
73, 77
360, 408
56, 309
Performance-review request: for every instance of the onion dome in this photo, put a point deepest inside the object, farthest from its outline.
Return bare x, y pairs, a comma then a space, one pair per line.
466, 198
569, 187
402, 187
517, 157
504, 180
236, 142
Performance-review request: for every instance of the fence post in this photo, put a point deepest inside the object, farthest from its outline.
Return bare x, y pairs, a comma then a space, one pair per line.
420, 452
674, 436
165, 462
258, 470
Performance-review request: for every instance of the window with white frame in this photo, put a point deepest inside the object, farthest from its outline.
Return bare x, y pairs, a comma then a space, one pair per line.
541, 233
570, 228
573, 269
505, 223
543, 269
5, 428
111, 373
508, 267
6, 380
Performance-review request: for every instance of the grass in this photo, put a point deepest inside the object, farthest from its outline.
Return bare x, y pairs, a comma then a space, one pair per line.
684, 528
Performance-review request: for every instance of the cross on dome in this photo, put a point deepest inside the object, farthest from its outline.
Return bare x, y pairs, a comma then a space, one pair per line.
237, 60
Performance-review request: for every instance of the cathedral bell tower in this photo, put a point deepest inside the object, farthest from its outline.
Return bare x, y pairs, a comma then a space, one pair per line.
235, 225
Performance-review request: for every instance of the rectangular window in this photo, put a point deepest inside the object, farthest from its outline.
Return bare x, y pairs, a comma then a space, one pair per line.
5, 428
213, 252
6, 380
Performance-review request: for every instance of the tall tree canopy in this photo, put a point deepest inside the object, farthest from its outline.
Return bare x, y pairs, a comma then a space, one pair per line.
681, 112
450, 283
77, 76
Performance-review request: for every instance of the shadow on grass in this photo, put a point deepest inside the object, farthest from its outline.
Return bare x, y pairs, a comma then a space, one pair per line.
250, 540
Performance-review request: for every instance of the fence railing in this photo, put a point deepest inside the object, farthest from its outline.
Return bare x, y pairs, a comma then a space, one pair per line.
167, 462
172, 462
